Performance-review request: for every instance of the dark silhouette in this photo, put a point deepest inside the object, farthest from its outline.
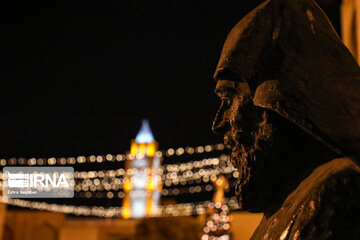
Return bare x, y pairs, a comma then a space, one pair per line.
290, 109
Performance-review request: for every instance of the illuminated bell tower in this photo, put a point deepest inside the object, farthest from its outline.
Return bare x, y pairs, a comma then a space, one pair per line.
142, 182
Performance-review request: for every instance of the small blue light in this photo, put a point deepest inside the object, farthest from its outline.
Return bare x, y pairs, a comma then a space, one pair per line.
144, 135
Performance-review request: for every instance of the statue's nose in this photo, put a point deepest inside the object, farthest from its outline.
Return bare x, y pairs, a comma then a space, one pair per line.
220, 123
219, 127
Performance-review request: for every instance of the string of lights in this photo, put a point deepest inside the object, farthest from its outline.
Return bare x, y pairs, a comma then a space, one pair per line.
203, 175
189, 177
171, 174
110, 194
175, 174
172, 169
108, 157
185, 209
114, 186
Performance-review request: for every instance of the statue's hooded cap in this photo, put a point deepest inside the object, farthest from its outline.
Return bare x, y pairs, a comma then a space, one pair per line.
297, 66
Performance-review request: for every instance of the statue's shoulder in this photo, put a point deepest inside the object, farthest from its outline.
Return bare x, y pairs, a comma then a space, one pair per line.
328, 177
326, 205
329, 203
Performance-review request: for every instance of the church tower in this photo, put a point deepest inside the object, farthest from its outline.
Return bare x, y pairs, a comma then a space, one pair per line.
142, 181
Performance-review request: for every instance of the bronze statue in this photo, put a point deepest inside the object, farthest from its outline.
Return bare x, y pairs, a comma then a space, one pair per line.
290, 109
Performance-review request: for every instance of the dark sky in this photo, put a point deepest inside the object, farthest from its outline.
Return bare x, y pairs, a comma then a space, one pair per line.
78, 76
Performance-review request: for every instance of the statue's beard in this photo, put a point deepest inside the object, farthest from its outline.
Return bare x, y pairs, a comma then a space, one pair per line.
248, 155
242, 164
270, 157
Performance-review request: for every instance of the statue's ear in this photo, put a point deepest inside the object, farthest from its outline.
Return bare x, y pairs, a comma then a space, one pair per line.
273, 95
267, 94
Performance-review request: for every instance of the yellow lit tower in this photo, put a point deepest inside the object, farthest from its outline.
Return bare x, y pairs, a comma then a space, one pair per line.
142, 182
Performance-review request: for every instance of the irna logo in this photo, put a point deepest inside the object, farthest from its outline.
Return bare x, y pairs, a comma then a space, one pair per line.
38, 182
45, 180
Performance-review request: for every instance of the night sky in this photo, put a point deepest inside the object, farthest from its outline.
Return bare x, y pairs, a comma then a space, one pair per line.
78, 76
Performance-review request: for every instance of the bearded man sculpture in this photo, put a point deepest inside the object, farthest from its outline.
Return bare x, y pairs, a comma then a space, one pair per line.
290, 109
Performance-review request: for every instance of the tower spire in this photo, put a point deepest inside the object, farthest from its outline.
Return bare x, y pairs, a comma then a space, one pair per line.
145, 134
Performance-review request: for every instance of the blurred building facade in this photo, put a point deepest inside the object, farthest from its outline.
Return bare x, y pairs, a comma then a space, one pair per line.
41, 225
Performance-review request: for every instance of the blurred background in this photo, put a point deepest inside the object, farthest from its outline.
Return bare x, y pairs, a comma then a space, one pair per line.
77, 79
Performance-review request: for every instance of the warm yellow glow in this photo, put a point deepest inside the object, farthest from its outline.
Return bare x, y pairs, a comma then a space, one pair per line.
126, 212
133, 148
142, 148
219, 182
151, 149
127, 185
150, 185
148, 149
149, 206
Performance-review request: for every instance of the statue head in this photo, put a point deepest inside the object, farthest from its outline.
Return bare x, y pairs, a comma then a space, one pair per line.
290, 98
